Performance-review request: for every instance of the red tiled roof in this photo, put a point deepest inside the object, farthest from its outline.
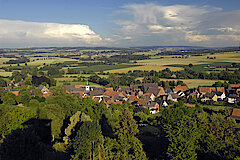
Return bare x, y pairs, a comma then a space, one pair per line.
15, 92
236, 112
235, 85
148, 94
206, 89
220, 89
180, 88
46, 95
111, 93
161, 91
97, 99
111, 89
79, 86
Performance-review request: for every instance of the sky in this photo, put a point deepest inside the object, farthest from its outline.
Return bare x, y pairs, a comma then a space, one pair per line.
121, 23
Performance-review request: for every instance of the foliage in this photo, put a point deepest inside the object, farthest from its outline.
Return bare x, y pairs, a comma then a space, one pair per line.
9, 98
88, 143
12, 118
73, 122
55, 113
126, 129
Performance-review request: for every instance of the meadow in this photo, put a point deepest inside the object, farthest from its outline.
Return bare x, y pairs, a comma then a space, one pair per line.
194, 83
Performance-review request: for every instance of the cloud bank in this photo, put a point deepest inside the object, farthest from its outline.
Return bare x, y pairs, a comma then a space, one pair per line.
27, 34
152, 24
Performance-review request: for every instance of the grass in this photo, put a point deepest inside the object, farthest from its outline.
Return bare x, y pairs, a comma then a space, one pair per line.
194, 83
51, 60
5, 74
147, 67
200, 61
80, 83
99, 68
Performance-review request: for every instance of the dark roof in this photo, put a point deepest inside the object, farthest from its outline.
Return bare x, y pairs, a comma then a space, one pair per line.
151, 104
97, 92
72, 88
160, 101
105, 99
136, 86
175, 95
154, 90
41, 86
146, 86
218, 93
146, 97
117, 97
167, 90
233, 96
209, 95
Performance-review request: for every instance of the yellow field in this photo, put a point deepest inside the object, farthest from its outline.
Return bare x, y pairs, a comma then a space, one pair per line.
195, 60
147, 67
49, 61
5, 74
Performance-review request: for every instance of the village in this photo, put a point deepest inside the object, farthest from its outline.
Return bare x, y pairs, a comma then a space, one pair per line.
149, 95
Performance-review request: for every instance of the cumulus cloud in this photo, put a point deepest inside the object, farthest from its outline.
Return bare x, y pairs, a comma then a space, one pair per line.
22, 33
152, 24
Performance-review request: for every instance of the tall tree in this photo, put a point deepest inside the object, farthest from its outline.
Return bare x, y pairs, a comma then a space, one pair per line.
88, 143
131, 146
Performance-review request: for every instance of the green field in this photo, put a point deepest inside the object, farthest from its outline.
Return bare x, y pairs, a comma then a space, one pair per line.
194, 83
178, 63
79, 83
99, 68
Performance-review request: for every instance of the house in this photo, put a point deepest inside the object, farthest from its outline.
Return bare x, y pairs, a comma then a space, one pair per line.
173, 97
157, 91
167, 91
43, 88
236, 114
153, 107
147, 86
96, 92
161, 92
110, 93
14, 91
110, 102
204, 90
161, 102
97, 99
132, 98
235, 86
150, 95
126, 90
220, 95
181, 94
71, 89
136, 88
46, 93
193, 93
176, 89
209, 96
232, 98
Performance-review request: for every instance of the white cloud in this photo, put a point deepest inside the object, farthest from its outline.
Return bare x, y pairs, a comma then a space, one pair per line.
22, 33
197, 38
152, 24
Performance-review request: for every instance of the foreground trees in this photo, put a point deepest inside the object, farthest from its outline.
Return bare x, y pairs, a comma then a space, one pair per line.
67, 127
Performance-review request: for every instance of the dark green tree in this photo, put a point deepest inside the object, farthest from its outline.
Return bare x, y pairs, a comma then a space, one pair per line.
126, 130
88, 143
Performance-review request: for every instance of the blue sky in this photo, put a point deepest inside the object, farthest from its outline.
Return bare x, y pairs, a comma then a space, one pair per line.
122, 23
